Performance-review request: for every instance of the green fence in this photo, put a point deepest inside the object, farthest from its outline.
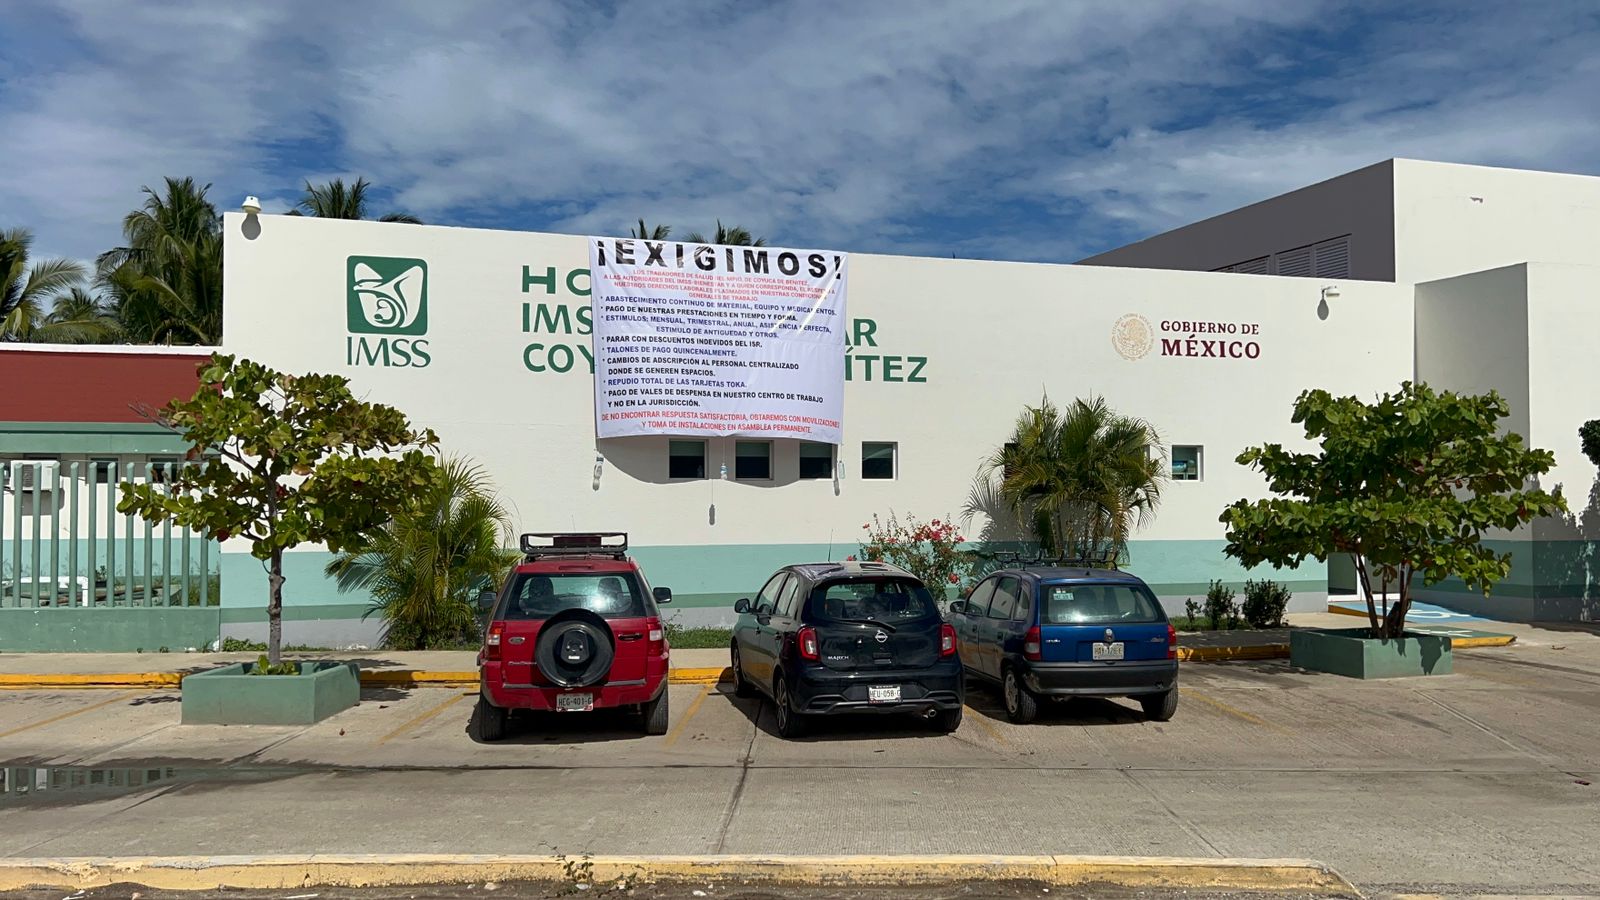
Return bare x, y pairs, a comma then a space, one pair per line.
65, 548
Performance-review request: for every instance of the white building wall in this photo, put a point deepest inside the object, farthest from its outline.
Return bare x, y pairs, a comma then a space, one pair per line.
994, 336
1454, 219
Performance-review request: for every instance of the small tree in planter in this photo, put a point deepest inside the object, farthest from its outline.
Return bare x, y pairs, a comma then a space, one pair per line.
288, 460
927, 550
1406, 485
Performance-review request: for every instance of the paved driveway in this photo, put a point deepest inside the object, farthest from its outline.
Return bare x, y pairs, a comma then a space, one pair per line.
1469, 781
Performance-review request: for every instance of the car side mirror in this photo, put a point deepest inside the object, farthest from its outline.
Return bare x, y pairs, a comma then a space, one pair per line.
486, 601
958, 606
663, 595
741, 605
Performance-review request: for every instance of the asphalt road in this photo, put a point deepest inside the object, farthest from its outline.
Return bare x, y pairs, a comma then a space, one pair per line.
1484, 781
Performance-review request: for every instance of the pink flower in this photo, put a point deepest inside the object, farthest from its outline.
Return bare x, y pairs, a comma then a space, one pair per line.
850, 558
954, 579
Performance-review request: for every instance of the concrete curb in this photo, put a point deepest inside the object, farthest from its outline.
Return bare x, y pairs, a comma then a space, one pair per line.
193, 873
707, 675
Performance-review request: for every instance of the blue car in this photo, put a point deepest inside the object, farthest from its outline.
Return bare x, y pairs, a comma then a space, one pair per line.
1055, 632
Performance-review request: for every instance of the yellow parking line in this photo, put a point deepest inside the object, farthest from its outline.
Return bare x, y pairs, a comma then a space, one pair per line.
973, 715
422, 718
121, 695
684, 722
1236, 713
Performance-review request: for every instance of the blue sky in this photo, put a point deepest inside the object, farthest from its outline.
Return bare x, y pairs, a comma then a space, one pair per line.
997, 129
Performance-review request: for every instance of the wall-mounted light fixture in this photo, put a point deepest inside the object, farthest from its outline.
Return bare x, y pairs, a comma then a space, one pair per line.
1330, 291
251, 205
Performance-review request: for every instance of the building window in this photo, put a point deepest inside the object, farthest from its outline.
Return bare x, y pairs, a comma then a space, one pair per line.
686, 459
878, 459
1186, 462
104, 470
816, 460
752, 460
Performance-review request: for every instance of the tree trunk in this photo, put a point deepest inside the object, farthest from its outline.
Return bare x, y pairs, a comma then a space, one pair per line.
275, 608
1364, 581
1394, 624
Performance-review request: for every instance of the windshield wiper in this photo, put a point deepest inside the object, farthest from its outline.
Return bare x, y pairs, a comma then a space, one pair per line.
884, 625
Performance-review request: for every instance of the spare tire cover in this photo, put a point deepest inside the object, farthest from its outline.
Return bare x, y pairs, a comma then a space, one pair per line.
575, 649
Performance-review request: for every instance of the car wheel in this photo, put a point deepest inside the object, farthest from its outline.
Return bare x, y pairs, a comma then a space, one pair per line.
1022, 706
1160, 707
790, 723
655, 714
488, 721
947, 721
741, 685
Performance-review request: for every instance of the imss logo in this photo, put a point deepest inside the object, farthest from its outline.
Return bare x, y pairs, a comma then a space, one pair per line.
386, 297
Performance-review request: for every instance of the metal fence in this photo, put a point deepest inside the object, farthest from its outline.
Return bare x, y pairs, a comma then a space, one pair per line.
63, 543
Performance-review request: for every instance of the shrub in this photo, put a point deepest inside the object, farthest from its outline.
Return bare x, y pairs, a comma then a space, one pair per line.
925, 549
1220, 609
1264, 603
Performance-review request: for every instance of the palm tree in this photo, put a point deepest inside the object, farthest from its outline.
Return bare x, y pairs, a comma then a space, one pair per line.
425, 566
1082, 478
82, 318
336, 200
27, 291
733, 237
166, 283
658, 233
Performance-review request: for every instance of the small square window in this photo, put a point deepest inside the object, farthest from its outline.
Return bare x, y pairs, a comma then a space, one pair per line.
105, 470
816, 460
752, 460
686, 459
1186, 462
878, 459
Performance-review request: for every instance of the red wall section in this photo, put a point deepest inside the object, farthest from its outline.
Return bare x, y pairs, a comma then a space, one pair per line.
69, 386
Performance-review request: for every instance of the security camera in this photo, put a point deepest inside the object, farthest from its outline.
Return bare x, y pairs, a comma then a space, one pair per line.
251, 205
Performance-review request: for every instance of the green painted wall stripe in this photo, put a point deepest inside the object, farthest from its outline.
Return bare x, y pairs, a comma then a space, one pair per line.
80, 437
116, 630
234, 615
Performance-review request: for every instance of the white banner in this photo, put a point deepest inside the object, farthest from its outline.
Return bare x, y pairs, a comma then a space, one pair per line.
700, 339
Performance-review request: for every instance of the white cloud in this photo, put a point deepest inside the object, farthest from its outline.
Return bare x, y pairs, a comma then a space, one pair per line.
1010, 128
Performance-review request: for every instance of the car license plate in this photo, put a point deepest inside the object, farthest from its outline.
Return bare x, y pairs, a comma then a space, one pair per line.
575, 702
1108, 651
883, 693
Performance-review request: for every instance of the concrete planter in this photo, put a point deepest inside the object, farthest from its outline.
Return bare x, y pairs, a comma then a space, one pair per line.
1351, 652
232, 696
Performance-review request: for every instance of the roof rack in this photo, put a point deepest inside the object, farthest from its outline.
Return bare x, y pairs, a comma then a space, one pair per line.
1103, 560
592, 543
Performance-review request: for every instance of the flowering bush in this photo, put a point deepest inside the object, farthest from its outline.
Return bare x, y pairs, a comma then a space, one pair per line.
925, 549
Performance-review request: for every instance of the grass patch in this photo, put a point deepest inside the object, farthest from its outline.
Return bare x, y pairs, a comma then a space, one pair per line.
698, 638
240, 645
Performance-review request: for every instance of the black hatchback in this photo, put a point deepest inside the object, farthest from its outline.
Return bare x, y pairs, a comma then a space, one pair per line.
830, 638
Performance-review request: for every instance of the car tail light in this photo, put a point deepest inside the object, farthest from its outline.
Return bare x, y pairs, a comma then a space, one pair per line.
806, 643
491, 644
947, 640
1032, 645
657, 636
1172, 642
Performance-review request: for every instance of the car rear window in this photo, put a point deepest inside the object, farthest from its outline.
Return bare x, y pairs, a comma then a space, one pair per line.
538, 595
876, 599
1096, 604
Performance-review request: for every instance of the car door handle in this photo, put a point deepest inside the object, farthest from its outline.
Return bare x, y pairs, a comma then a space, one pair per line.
634, 636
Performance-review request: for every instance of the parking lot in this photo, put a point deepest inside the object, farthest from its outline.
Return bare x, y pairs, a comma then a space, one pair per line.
1479, 780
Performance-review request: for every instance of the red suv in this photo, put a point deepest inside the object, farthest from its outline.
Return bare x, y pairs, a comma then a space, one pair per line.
575, 629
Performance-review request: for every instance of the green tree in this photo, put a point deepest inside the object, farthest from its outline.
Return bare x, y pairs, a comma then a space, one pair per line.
1405, 485
733, 237
287, 460
28, 291
1082, 478
166, 282
336, 200
656, 233
426, 566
